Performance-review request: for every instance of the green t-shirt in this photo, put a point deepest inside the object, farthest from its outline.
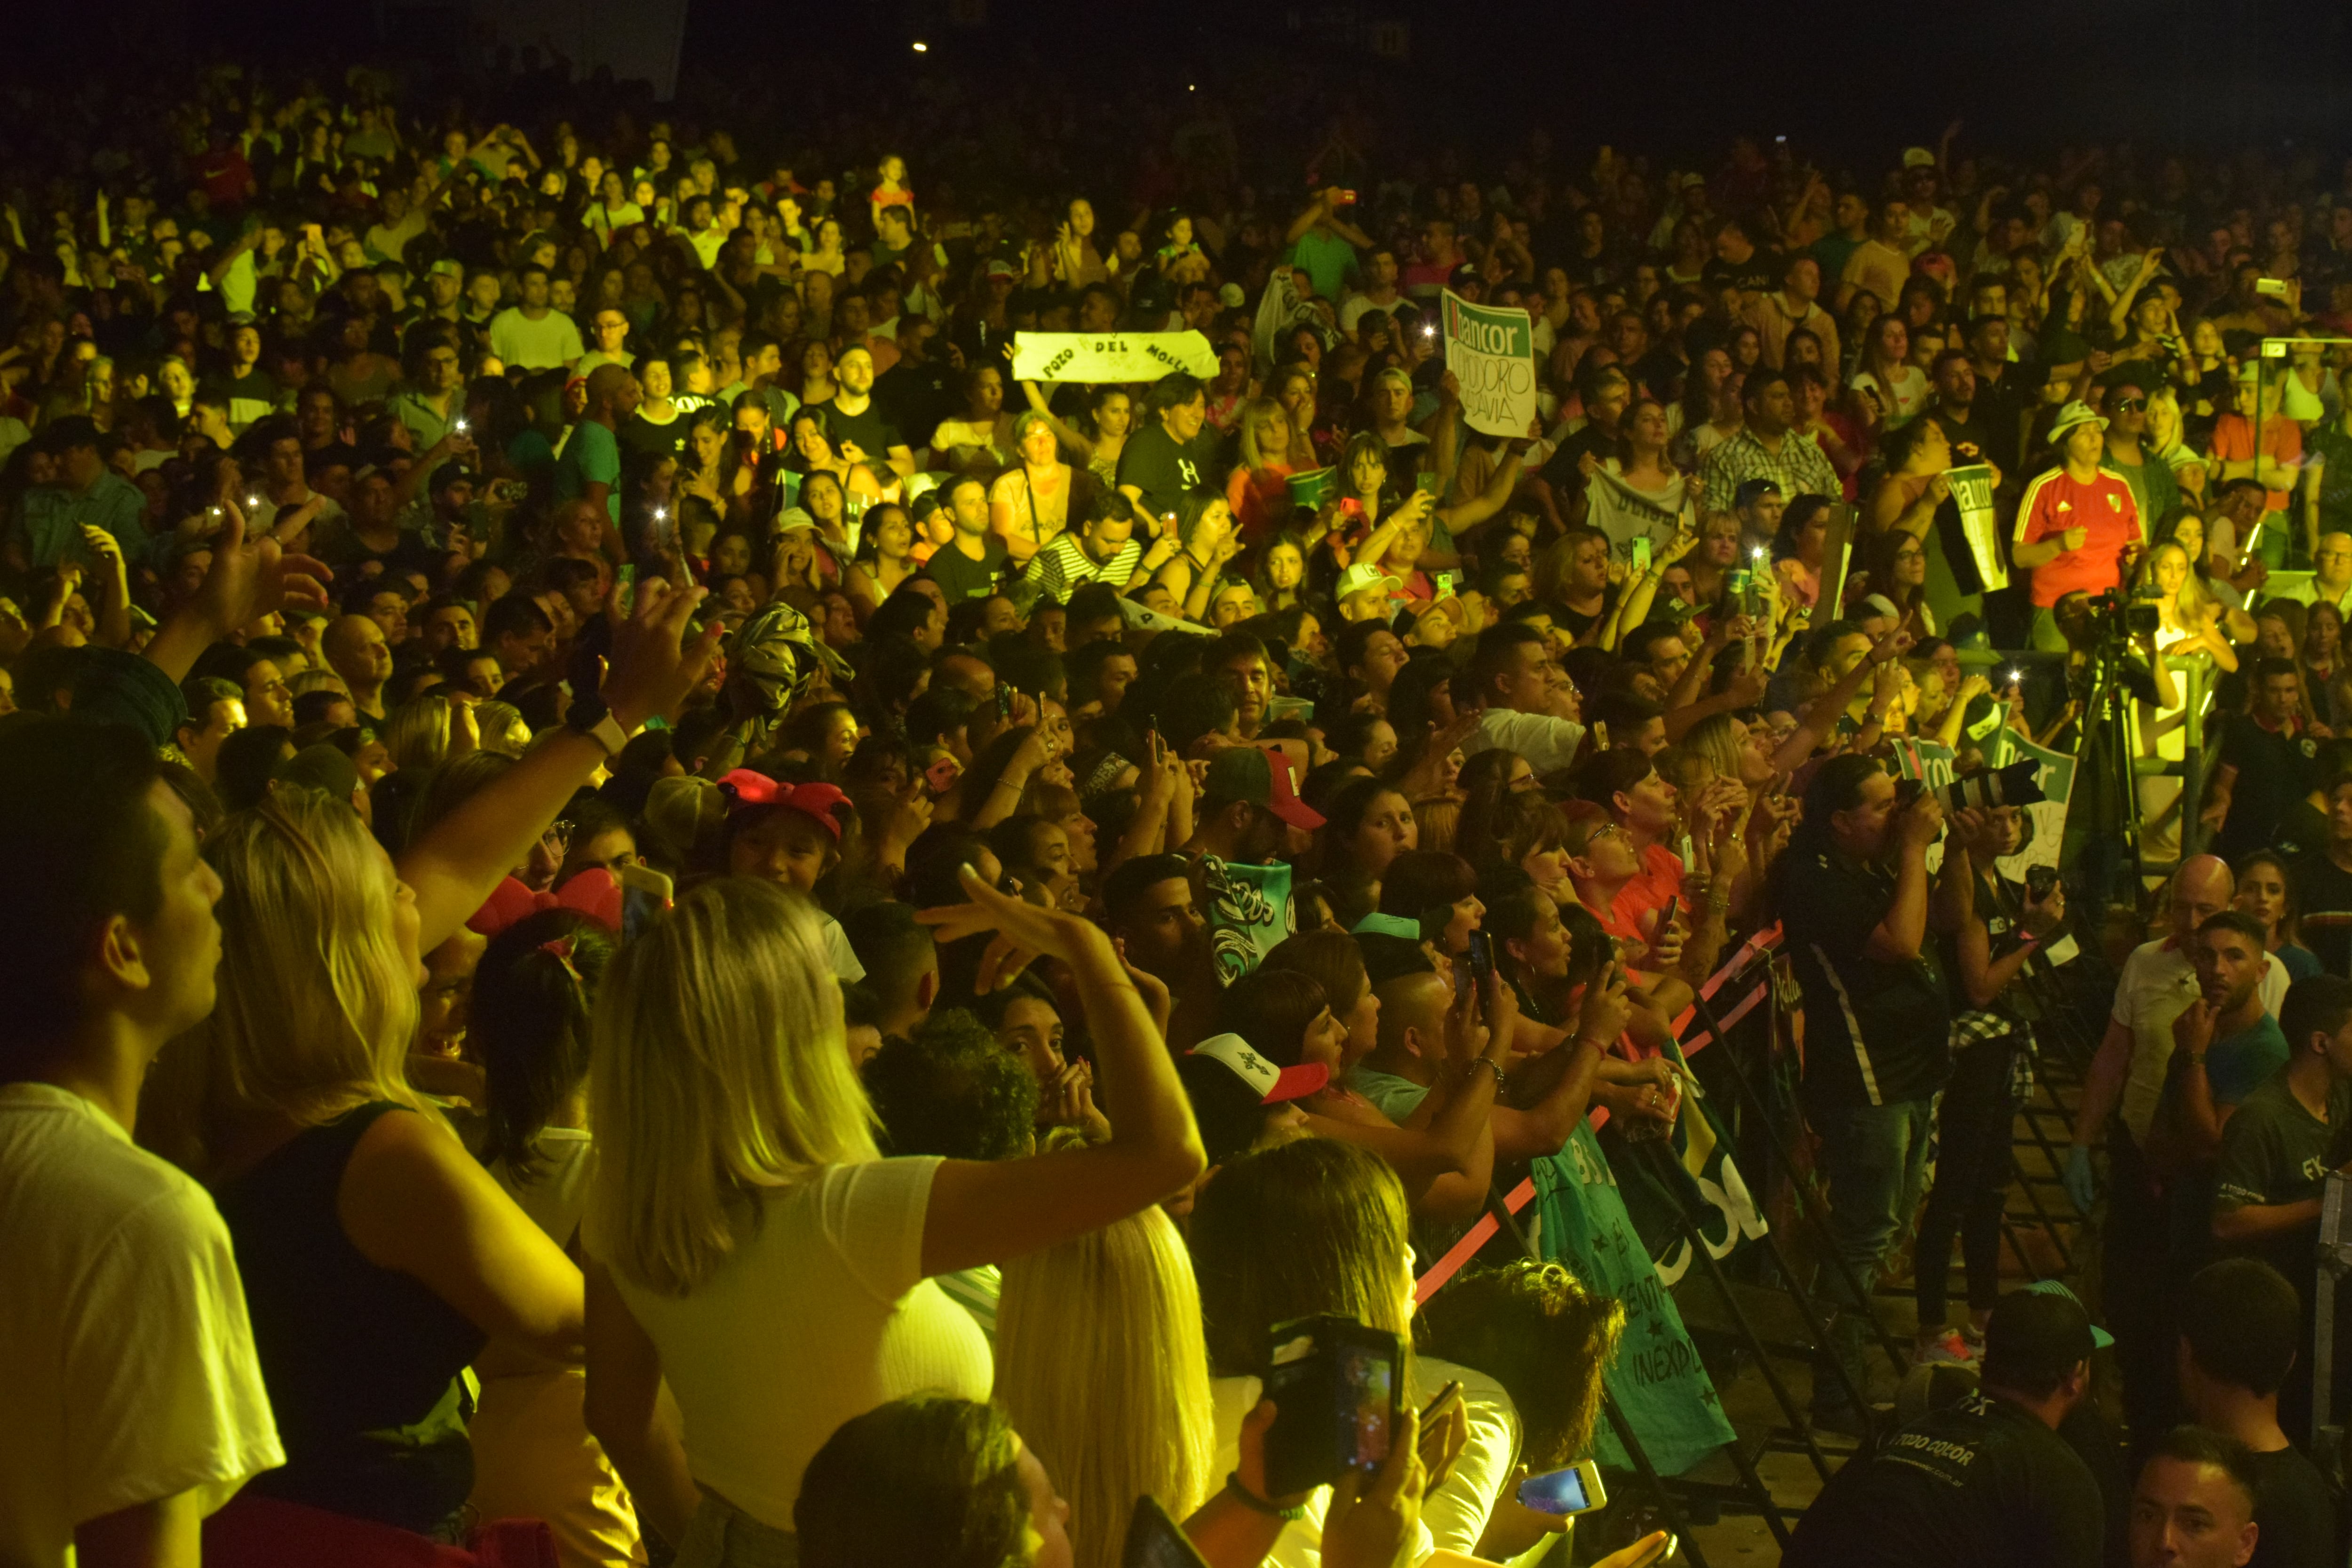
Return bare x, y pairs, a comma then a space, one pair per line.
1327, 260
592, 456
1398, 1097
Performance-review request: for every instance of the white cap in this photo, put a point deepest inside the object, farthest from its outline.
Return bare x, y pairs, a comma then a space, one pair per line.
1364, 574
1271, 1084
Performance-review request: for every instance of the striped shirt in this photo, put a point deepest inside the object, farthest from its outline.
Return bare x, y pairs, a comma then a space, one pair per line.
1063, 565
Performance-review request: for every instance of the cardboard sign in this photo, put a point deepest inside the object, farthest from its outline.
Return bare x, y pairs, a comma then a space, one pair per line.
1492, 353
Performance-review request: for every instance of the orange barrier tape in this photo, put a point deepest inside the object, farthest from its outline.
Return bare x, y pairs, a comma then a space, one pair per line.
1483, 1231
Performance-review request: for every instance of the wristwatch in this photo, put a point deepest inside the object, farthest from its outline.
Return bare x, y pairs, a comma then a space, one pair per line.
590, 717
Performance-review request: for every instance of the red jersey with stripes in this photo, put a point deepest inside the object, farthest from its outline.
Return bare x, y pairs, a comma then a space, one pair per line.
2102, 507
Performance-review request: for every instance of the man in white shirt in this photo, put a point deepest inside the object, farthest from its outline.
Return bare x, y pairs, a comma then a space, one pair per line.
1379, 292
2332, 580
532, 334
135, 1404
1525, 703
2119, 1100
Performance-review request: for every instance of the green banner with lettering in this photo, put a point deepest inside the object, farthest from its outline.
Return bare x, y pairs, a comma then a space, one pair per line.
1492, 353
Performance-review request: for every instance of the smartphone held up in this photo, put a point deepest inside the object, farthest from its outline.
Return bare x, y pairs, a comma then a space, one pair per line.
1337, 1388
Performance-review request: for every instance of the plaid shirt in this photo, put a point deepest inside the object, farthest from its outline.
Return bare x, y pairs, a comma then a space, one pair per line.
1800, 467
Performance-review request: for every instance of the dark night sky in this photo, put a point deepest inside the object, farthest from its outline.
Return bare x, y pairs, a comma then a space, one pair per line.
1665, 75
1666, 72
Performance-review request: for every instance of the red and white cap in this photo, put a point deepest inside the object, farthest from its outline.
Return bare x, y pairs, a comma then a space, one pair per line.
1272, 1085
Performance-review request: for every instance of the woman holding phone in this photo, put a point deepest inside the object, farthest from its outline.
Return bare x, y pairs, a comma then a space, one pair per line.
1317, 1227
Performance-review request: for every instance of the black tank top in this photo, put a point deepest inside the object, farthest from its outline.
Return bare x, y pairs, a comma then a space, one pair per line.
362, 1362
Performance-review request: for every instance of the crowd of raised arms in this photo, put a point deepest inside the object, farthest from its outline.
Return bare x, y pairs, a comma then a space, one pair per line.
649, 893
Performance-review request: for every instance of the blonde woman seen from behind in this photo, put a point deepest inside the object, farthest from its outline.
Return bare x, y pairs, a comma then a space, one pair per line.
359, 1220
1109, 1424
749, 1248
1314, 1226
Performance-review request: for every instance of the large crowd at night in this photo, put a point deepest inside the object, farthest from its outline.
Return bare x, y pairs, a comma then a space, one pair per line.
751, 834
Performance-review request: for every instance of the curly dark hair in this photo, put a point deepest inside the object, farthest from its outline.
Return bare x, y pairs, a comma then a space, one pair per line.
949, 1089
1535, 1329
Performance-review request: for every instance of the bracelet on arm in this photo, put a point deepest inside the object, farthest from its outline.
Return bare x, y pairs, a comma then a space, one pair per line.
1488, 1064
1256, 1504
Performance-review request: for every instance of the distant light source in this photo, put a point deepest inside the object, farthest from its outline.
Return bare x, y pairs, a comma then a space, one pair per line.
1189, 87
921, 47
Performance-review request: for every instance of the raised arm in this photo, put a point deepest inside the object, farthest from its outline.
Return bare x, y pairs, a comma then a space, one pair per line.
989, 1211
1899, 937
1470, 513
456, 864
1063, 433
1822, 716
249, 578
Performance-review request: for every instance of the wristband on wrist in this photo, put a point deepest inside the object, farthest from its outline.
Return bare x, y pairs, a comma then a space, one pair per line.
1256, 1504
1488, 1064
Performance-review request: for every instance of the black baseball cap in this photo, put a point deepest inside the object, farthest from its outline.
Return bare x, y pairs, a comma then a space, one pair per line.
2038, 1336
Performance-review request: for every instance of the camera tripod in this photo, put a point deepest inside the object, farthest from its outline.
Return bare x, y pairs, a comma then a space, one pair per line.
2102, 838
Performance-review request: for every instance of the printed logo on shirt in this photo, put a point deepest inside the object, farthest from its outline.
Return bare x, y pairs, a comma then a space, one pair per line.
2115, 501
1191, 474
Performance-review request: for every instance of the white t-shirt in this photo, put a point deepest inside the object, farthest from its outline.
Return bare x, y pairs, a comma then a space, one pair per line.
1548, 743
127, 1367
1360, 305
544, 344
1625, 514
1453, 1516
836, 947
1900, 404
822, 1313
557, 1195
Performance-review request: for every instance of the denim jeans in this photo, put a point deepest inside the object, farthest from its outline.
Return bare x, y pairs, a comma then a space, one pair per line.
1873, 1160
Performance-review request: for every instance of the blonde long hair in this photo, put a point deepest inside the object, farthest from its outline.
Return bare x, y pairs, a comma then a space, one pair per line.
719, 1068
316, 1006
1254, 456
417, 732
1101, 1363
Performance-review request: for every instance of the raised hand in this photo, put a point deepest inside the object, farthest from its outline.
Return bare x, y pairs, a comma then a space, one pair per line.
2192, 1031
1602, 1015
1372, 1523
1053, 934
1467, 1037
1666, 950
251, 578
654, 666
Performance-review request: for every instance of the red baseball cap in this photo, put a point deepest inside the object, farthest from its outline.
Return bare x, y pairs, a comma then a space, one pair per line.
1272, 1085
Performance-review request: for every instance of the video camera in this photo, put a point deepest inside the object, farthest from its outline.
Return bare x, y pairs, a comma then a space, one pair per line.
2127, 616
2019, 783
